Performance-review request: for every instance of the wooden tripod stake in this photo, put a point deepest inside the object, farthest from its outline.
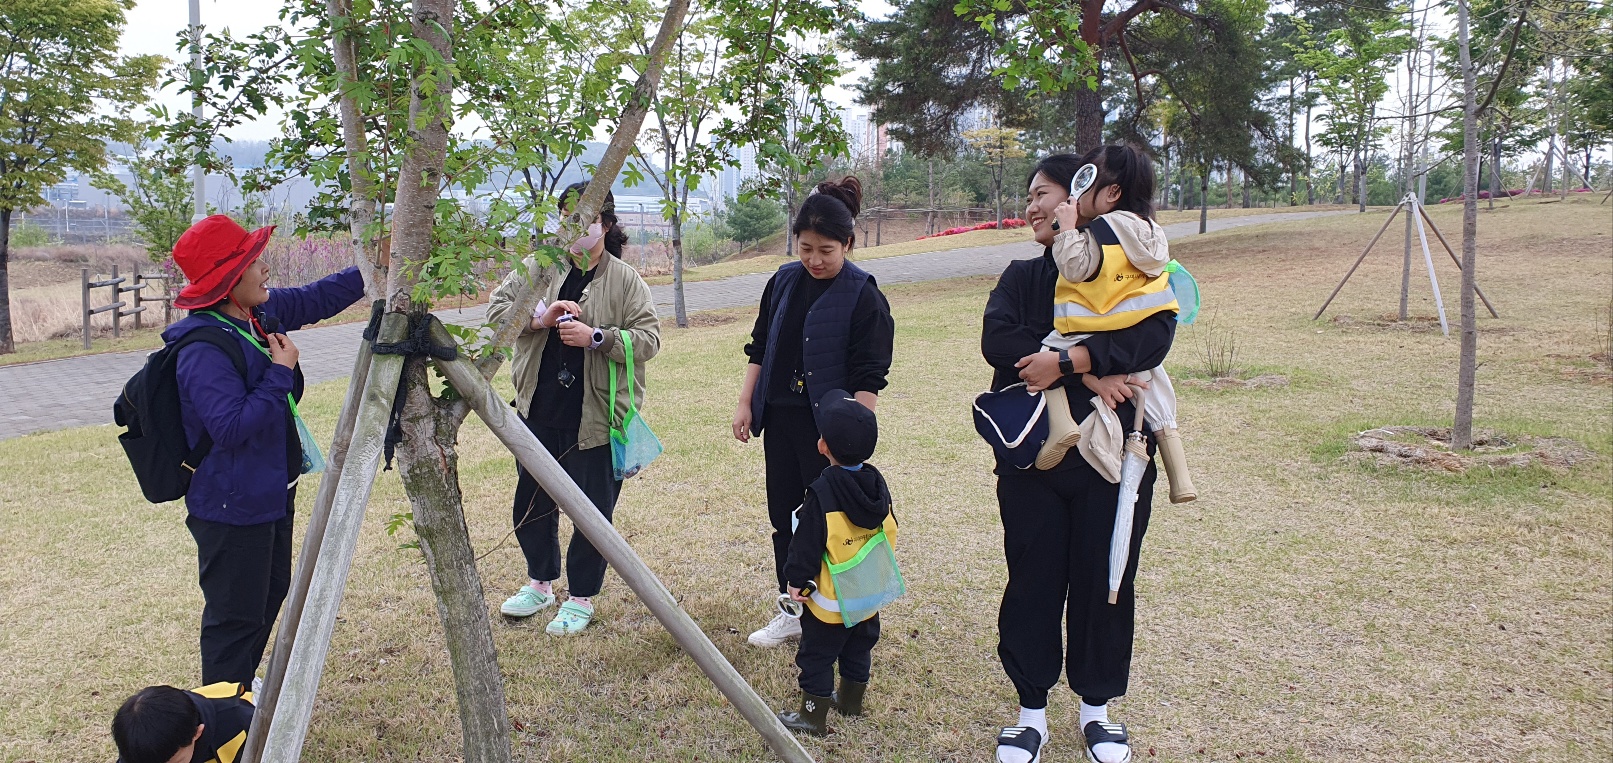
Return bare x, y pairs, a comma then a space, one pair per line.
1421, 217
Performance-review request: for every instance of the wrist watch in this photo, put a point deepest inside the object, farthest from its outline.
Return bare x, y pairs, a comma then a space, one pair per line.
599, 339
1066, 366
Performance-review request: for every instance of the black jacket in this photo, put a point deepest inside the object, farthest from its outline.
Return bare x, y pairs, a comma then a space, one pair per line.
864, 497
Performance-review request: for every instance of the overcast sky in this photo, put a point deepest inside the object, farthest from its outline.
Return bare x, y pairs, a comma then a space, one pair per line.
154, 24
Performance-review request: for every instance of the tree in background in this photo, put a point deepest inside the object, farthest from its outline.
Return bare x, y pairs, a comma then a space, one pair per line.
751, 218
1351, 65
997, 147
158, 195
66, 93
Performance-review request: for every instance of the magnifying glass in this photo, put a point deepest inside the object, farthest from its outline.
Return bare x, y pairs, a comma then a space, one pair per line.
1080, 184
792, 608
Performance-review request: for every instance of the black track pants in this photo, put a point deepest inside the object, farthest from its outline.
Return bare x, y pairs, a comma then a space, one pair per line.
790, 447
823, 644
1056, 529
245, 572
537, 519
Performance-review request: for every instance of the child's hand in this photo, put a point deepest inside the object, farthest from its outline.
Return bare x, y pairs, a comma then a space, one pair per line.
795, 595
1068, 215
1113, 389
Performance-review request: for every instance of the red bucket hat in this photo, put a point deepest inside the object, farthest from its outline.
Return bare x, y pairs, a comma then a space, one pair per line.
213, 254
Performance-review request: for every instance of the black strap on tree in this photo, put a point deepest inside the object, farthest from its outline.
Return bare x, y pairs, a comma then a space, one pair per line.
417, 345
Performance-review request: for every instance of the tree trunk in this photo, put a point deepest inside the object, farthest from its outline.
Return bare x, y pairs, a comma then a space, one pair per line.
1361, 178
1204, 201
680, 309
1495, 163
1181, 187
1293, 172
1551, 116
1088, 118
426, 458
1310, 186
929, 215
1467, 366
8, 345
1246, 199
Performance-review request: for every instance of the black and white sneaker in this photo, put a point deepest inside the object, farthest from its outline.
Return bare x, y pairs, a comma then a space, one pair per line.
1104, 732
1025, 738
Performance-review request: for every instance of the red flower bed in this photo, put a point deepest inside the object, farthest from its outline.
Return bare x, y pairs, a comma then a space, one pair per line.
1012, 222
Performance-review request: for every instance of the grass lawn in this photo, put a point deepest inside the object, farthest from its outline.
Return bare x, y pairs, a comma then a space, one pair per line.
1310, 607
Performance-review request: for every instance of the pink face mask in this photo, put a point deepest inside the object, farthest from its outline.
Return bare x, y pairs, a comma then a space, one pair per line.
586, 243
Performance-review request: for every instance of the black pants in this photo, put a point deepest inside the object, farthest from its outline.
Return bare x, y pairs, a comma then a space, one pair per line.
537, 519
790, 448
1056, 530
245, 572
823, 644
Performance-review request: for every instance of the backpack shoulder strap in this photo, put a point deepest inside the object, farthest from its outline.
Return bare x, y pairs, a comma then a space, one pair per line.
232, 349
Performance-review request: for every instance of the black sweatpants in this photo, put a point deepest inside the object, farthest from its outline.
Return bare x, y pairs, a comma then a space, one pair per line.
1056, 530
823, 644
790, 448
537, 519
244, 572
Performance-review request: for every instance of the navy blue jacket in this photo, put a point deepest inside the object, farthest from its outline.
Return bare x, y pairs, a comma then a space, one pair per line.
846, 336
246, 477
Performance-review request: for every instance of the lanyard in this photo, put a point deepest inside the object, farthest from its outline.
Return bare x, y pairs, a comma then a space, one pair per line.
259, 345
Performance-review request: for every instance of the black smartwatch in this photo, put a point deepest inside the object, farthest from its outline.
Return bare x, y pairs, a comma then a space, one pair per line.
1066, 366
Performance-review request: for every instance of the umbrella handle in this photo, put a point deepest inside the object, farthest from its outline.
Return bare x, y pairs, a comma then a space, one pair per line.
1137, 401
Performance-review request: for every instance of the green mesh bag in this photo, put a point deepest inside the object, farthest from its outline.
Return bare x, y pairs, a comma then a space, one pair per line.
633, 445
866, 582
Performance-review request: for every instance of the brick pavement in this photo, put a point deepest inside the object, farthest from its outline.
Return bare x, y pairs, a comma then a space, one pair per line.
73, 392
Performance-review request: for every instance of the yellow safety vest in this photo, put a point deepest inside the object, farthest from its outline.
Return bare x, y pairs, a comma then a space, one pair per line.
225, 690
844, 540
1119, 296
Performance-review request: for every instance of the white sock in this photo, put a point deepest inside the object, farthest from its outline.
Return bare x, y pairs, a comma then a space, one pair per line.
1108, 752
1036, 719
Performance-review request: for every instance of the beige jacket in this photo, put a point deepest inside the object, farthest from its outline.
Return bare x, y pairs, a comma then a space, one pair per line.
616, 300
1078, 255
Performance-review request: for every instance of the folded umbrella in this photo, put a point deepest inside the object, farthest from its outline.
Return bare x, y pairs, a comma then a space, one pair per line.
1131, 477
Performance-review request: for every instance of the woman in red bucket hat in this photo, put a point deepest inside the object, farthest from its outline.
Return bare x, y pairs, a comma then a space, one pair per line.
242, 494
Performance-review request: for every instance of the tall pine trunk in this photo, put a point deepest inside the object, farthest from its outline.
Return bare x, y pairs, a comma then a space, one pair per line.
7, 343
1467, 366
1204, 201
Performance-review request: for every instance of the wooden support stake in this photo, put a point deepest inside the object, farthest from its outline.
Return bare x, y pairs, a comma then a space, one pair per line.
307, 660
313, 536
1457, 260
537, 460
1358, 261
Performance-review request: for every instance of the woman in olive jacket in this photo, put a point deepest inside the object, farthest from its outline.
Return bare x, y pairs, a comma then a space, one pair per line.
591, 301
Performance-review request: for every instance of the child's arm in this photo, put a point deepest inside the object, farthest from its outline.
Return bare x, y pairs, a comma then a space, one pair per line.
805, 558
1077, 254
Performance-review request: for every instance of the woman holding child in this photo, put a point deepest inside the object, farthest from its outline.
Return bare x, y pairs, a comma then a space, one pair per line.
595, 310
1057, 522
823, 325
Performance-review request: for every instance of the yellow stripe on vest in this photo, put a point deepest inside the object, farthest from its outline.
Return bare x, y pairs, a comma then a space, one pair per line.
1120, 296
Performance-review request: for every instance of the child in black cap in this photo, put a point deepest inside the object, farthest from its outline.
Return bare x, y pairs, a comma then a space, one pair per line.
845, 509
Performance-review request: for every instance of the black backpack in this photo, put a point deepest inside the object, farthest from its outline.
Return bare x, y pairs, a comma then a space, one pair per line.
149, 407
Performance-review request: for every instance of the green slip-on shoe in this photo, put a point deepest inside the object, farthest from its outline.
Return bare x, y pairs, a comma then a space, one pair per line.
572, 618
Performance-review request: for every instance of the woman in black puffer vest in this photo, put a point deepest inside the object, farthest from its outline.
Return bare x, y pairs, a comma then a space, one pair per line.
823, 324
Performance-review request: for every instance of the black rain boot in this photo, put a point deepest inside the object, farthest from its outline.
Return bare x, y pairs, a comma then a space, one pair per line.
849, 700
812, 718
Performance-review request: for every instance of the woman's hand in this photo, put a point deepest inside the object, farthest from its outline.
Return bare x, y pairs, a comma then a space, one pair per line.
1039, 370
281, 351
1113, 389
575, 333
742, 422
559, 308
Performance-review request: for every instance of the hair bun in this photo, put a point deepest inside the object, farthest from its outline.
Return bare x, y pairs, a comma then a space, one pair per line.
848, 191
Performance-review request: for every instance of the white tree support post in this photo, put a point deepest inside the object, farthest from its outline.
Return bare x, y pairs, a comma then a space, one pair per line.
352, 492
313, 536
1455, 259
537, 460
1422, 236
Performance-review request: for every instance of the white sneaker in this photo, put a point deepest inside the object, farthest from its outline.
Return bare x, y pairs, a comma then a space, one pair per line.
780, 629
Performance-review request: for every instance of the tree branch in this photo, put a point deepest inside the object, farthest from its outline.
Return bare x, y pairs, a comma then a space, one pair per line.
1511, 48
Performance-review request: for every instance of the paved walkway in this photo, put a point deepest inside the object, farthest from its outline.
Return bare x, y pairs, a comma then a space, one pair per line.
79, 391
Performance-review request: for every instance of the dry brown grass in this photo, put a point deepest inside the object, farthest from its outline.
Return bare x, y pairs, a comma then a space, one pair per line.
1306, 608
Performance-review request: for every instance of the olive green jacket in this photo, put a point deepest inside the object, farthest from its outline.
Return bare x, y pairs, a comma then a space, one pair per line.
616, 300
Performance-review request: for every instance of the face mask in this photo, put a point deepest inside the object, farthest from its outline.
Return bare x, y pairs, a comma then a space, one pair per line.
586, 243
